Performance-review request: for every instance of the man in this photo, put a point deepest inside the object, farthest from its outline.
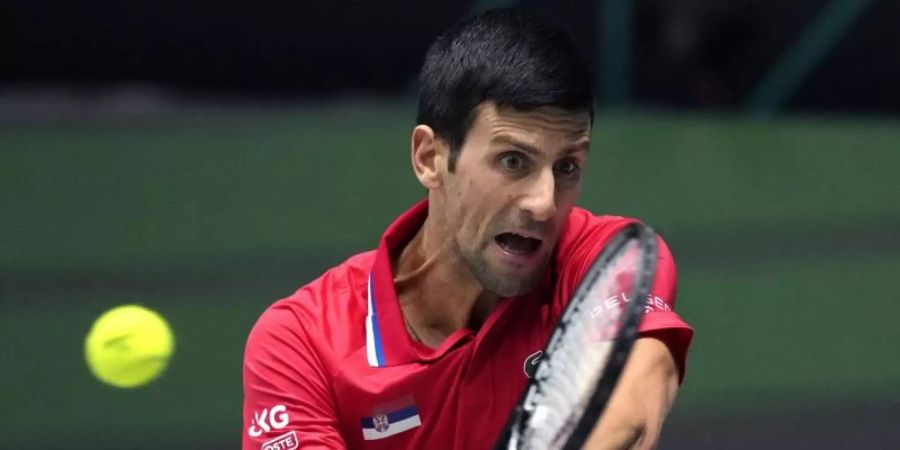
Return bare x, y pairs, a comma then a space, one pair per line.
422, 343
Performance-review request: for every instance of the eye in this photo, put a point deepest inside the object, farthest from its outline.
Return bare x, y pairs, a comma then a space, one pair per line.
512, 161
567, 168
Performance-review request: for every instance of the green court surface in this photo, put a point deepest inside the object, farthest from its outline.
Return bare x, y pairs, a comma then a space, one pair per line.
786, 234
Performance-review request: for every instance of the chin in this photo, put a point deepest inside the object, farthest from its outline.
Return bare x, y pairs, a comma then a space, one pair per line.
515, 290
511, 285
506, 277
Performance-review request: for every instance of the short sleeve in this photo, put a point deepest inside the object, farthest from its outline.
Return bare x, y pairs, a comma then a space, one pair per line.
288, 401
660, 319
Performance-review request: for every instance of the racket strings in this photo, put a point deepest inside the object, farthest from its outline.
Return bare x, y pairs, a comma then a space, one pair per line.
578, 353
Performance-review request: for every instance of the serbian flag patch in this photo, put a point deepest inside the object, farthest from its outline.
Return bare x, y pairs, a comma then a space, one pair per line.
390, 419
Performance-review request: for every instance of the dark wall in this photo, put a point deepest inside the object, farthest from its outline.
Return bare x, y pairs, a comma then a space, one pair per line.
690, 53
258, 47
711, 53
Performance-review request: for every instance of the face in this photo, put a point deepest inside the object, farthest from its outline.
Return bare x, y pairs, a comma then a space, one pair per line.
516, 179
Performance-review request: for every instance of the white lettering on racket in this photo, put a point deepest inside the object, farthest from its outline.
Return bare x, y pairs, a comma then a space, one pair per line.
653, 303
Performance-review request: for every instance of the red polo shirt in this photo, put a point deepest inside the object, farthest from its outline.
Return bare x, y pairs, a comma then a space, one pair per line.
332, 366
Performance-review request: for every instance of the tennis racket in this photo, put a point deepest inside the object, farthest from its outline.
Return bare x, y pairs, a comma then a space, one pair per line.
588, 348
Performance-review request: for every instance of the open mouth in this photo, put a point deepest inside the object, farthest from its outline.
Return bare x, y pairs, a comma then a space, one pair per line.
517, 244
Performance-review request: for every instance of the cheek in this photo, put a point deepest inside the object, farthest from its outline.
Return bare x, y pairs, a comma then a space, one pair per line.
463, 206
476, 202
565, 201
477, 213
568, 198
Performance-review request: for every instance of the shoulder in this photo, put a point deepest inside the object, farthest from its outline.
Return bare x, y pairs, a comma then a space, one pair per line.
581, 221
337, 290
583, 238
585, 233
325, 315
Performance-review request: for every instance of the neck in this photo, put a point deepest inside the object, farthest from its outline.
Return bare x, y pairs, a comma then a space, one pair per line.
437, 293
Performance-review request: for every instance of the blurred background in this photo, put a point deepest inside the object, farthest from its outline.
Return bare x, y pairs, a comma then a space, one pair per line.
205, 158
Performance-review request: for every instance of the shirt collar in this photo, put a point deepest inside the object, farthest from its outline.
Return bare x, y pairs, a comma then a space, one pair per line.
387, 342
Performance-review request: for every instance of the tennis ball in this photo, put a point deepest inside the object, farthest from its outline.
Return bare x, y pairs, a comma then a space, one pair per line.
128, 346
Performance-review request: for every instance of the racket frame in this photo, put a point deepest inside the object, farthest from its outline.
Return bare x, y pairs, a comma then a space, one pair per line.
629, 322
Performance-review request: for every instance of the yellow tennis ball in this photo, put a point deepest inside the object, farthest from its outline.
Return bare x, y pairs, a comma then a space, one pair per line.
128, 346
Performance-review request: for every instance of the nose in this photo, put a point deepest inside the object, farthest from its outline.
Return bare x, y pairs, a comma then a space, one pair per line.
540, 200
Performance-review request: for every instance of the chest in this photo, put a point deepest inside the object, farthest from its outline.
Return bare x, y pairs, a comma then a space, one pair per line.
458, 401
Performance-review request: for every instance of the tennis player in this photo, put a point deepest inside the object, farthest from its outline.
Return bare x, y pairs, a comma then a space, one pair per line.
427, 341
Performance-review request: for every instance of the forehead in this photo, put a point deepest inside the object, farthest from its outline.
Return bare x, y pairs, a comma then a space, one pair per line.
546, 124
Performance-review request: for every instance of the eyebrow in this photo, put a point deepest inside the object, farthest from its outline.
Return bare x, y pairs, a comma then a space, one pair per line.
530, 149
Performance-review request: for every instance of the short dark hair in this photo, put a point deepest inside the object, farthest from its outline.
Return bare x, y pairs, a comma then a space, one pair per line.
511, 57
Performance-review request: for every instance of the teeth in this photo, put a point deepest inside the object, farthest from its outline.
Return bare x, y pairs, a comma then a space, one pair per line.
518, 243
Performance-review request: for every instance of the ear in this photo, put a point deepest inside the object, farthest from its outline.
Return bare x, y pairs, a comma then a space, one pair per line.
429, 157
